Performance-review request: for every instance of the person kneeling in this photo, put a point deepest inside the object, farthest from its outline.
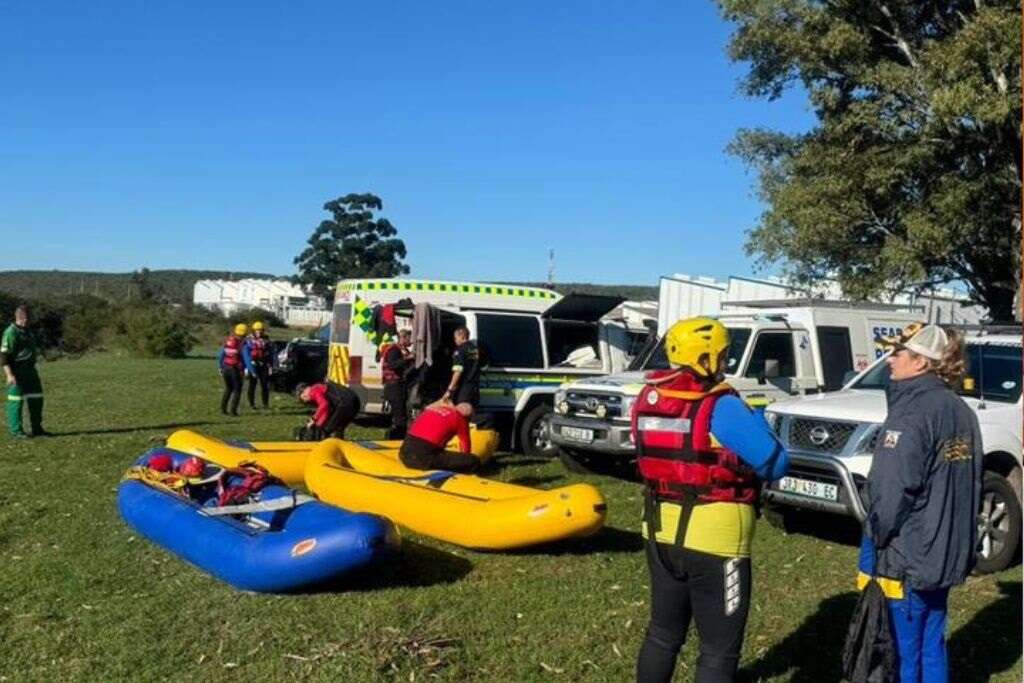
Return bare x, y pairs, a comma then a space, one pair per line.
336, 407
424, 445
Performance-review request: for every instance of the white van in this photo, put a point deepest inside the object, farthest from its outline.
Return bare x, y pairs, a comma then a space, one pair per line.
777, 349
831, 438
531, 340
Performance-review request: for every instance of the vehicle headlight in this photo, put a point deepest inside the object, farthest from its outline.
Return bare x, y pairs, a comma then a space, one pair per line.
562, 407
601, 411
627, 406
771, 418
560, 396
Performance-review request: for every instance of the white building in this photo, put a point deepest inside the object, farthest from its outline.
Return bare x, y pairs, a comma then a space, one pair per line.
289, 302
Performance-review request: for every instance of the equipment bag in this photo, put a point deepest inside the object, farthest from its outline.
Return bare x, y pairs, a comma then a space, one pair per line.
869, 654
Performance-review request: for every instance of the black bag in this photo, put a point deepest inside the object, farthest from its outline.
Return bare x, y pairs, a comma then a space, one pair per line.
308, 434
869, 654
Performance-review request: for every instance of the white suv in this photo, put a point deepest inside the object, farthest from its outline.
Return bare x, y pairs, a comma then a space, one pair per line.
831, 437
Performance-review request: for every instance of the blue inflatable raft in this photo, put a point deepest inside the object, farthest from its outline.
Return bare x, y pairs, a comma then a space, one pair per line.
276, 550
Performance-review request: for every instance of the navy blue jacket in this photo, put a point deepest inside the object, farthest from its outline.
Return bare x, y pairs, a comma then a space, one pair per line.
924, 487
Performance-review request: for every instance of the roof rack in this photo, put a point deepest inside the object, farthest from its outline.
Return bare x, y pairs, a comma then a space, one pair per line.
992, 328
822, 303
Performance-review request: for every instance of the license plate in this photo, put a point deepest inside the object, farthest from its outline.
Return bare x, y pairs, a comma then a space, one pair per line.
578, 434
812, 489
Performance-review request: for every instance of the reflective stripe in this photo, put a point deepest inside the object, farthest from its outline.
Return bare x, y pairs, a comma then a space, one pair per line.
39, 395
891, 588
663, 424
12, 397
456, 368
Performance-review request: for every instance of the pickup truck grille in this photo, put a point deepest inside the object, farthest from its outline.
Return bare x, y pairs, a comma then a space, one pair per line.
820, 436
586, 403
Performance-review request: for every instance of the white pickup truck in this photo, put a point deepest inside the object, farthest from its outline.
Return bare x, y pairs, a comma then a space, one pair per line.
777, 349
831, 437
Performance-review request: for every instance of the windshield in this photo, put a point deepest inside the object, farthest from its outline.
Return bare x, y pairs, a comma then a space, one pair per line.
876, 378
738, 338
992, 373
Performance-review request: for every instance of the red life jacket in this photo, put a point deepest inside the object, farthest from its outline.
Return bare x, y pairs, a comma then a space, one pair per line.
438, 425
233, 352
387, 373
672, 430
258, 347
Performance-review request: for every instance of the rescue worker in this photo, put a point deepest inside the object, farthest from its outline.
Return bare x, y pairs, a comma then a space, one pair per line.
258, 356
924, 495
701, 453
336, 407
424, 445
464, 385
396, 361
231, 364
18, 350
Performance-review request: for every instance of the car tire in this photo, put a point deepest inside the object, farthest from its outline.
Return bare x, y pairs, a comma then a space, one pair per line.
534, 438
999, 524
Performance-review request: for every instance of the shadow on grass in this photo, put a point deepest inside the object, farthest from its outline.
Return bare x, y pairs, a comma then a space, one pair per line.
990, 643
504, 461
607, 540
827, 527
414, 566
812, 652
139, 428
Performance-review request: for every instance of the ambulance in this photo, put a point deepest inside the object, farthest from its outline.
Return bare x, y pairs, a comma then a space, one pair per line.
531, 341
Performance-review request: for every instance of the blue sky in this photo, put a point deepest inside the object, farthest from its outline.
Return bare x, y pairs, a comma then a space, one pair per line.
209, 135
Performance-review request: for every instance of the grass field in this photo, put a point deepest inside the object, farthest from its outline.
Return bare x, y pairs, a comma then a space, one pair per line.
84, 598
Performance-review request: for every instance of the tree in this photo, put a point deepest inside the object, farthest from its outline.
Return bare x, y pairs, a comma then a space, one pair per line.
912, 175
143, 287
353, 244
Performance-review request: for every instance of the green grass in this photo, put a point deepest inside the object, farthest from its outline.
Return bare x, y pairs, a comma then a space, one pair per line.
85, 598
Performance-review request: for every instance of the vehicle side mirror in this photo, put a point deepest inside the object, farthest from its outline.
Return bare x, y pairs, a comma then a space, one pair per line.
771, 368
850, 374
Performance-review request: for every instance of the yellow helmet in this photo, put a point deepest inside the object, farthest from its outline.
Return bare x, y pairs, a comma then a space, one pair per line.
240, 330
258, 325
690, 340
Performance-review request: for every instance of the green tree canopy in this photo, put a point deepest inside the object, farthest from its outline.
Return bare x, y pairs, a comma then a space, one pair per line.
913, 172
351, 244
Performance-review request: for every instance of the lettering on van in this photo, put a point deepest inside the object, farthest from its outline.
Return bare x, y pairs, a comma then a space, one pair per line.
884, 331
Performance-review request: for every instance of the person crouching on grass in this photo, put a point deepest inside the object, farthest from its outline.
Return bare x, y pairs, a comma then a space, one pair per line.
924, 495
336, 407
424, 445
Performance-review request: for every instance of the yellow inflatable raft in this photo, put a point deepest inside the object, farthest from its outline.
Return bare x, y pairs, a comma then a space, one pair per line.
462, 509
286, 460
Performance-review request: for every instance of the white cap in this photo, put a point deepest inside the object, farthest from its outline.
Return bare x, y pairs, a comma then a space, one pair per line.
930, 341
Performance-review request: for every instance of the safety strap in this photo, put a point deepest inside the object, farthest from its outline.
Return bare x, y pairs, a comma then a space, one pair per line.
690, 474
434, 479
283, 503
891, 588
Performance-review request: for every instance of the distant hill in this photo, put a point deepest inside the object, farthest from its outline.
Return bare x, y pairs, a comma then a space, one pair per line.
177, 285
172, 285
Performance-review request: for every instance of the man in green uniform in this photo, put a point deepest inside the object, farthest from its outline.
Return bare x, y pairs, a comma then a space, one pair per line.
18, 356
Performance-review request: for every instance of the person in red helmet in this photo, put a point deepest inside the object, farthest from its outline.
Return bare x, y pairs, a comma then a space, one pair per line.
423, 447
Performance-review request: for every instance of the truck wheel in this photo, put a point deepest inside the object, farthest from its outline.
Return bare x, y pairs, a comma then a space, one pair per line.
534, 434
999, 524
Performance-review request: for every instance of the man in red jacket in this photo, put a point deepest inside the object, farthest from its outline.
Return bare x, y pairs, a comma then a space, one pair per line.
424, 445
336, 407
